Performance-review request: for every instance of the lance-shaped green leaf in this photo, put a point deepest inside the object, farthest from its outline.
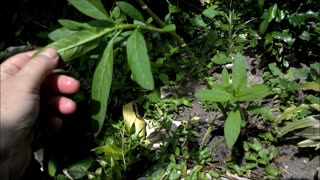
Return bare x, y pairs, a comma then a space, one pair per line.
255, 92
78, 43
311, 86
239, 73
92, 8
101, 85
213, 95
289, 112
130, 10
138, 60
232, 127
303, 123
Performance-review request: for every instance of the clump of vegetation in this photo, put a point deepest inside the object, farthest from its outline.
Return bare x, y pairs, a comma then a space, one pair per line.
126, 53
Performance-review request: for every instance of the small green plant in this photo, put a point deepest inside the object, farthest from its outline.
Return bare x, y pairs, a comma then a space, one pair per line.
230, 94
224, 30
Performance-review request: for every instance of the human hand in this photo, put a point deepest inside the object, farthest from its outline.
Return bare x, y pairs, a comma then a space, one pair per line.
21, 78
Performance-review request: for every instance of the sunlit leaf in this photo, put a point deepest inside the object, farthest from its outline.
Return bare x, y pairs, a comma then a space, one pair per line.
130, 119
302, 123
310, 143
232, 127
213, 95
92, 8
130, 10
138, 60
239, 73
289, 112
272, 12
311, 86
257, 91
101, 85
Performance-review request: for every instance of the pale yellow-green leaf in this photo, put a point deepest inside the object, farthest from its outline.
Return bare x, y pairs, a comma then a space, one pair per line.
130, 119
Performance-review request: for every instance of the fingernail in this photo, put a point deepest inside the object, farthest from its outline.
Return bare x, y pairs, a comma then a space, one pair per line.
50, 53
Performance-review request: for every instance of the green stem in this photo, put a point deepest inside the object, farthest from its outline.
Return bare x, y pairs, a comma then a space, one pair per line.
172, 33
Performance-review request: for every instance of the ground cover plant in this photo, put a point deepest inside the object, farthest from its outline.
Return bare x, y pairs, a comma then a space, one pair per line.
182, 89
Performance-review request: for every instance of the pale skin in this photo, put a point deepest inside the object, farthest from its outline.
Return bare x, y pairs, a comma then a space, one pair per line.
21, 78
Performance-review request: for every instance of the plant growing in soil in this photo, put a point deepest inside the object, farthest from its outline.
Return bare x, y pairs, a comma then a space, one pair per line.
231, 94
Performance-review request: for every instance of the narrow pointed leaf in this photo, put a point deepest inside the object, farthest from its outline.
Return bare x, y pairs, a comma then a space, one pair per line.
257, 91
77, 43
130, 10
138, 60
232, 127
92, 8
101, 85
213, 95
239, 73
225, 78
303, 123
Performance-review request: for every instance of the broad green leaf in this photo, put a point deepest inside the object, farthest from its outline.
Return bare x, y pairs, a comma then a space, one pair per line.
52, 167
211, 12
239, 73
232, 127
289, 112
257, 91
77, 43
213, 95
130, 10
221, 58
298, 124
311, 86
101, 85
92, 8
60, 33
79, 169
263, 26
74, 25
138, 60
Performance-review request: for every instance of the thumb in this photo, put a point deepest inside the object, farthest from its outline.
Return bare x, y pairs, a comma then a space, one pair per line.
37, 68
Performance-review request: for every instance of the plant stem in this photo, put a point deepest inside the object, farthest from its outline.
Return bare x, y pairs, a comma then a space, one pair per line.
162, 24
